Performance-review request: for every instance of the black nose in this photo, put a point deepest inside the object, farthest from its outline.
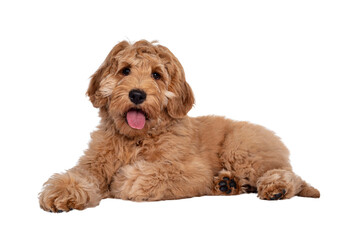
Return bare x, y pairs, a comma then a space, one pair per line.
137, 96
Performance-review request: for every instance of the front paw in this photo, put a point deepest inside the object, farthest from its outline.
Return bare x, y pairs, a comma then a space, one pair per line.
64, 192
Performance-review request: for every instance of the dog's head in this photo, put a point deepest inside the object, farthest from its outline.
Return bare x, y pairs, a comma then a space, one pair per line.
140, 86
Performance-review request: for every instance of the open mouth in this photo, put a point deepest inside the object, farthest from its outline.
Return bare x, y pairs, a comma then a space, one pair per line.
136, 118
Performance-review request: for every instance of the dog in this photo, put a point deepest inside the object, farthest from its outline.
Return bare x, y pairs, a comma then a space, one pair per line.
146, 148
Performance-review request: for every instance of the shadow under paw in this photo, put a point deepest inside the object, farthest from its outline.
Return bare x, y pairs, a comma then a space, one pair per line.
247, 188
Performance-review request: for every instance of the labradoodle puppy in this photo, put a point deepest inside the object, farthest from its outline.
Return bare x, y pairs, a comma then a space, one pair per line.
146, 148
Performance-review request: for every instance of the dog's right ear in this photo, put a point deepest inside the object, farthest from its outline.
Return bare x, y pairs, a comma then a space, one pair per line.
95, 96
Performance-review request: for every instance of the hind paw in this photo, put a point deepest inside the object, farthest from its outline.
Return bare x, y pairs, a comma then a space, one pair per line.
278, 184
225, 184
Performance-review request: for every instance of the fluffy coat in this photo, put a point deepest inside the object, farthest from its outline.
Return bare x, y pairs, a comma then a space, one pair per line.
172, 155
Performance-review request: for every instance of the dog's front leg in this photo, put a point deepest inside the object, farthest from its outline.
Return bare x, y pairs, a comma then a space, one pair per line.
152, 181
74, 189
85, 184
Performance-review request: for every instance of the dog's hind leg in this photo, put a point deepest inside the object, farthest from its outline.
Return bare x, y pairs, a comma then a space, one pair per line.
283, 184
258, 161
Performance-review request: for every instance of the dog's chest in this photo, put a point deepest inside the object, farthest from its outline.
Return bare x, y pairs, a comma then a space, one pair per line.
148, 150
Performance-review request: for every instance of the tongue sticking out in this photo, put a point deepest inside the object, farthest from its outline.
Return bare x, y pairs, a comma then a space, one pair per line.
136, 119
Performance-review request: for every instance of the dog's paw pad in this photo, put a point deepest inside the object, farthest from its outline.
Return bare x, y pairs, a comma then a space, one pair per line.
224, 188
278, 196
232, 183
225, 185
222, 183
60, 211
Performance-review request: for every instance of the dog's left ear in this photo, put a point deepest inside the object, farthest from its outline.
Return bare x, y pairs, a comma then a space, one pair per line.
179, 105
97, 99
183, 100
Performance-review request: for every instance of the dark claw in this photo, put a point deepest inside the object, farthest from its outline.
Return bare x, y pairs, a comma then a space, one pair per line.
222, 183
60, 211
229, 191
226, 178
223, 188
71, 209
232, 183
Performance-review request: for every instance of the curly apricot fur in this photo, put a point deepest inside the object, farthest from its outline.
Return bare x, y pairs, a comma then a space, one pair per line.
173, 156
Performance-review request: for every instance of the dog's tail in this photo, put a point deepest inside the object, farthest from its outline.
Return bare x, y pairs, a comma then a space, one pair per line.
308, 191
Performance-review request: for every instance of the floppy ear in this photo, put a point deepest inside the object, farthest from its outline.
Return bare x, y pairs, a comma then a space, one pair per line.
183, 100
95, 96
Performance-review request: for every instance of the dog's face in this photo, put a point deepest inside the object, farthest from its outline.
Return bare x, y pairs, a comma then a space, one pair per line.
140, 86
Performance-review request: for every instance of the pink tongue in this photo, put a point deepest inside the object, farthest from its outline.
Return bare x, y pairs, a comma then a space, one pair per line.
135, 119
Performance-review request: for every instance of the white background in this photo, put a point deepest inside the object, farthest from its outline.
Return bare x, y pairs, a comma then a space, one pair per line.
292, 66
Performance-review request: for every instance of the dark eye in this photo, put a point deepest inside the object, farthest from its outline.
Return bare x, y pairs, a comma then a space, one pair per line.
126, 71
156, 75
